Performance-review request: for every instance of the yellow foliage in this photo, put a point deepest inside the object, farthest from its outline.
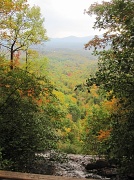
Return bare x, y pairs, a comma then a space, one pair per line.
94, 90
67, 130
42, 82
20, 92
7, 85
60, 96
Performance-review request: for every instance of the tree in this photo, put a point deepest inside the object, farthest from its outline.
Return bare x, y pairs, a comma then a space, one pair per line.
115, 73
8, 6
21, 27
29, 118
30, 113
97, 122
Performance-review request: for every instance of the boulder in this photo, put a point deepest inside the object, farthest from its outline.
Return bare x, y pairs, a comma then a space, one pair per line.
99, 164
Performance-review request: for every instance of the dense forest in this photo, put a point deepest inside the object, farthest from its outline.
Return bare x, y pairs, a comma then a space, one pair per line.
63, 99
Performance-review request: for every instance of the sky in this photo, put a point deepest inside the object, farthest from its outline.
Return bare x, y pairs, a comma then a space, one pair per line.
66, 17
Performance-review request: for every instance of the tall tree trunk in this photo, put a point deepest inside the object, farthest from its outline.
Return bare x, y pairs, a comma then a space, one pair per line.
11, 55
11, 59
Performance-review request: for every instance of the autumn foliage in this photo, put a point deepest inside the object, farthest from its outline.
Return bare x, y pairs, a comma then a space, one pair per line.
103, 134
115, 75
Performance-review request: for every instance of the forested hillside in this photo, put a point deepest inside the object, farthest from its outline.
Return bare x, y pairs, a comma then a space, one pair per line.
61, 96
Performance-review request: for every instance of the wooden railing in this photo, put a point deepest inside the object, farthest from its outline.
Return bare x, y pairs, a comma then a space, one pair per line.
27, 176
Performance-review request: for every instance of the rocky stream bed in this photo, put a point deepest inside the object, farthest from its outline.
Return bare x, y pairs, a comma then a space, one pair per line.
79, 166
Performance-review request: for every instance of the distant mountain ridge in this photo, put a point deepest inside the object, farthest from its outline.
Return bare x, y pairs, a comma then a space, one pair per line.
66, 46
72, 38
70, 42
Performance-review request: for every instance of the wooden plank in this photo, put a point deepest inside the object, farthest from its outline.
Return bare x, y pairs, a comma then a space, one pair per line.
27, 176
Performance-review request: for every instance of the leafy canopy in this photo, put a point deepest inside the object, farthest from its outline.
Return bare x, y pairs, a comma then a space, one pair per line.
115, 73
21, 27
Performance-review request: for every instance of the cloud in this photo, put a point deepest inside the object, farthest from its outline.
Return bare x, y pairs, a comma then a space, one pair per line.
66, 17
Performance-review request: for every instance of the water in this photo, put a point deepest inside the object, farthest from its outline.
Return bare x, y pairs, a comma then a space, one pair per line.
75, 167
72, 165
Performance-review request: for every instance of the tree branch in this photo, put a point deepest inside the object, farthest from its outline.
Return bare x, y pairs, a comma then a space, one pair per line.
4, 46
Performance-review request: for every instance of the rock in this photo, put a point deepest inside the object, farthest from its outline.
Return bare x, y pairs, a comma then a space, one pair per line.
43, 166
108, 172
131, 176
99, 164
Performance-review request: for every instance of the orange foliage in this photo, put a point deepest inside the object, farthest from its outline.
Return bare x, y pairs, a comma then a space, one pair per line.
24, 93
111, 105
17, 59
69, 116
39, 102
103, 134
45, 89
47, 100
74, 99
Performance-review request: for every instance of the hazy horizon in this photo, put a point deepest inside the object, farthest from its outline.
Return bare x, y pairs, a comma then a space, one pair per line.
65, 18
